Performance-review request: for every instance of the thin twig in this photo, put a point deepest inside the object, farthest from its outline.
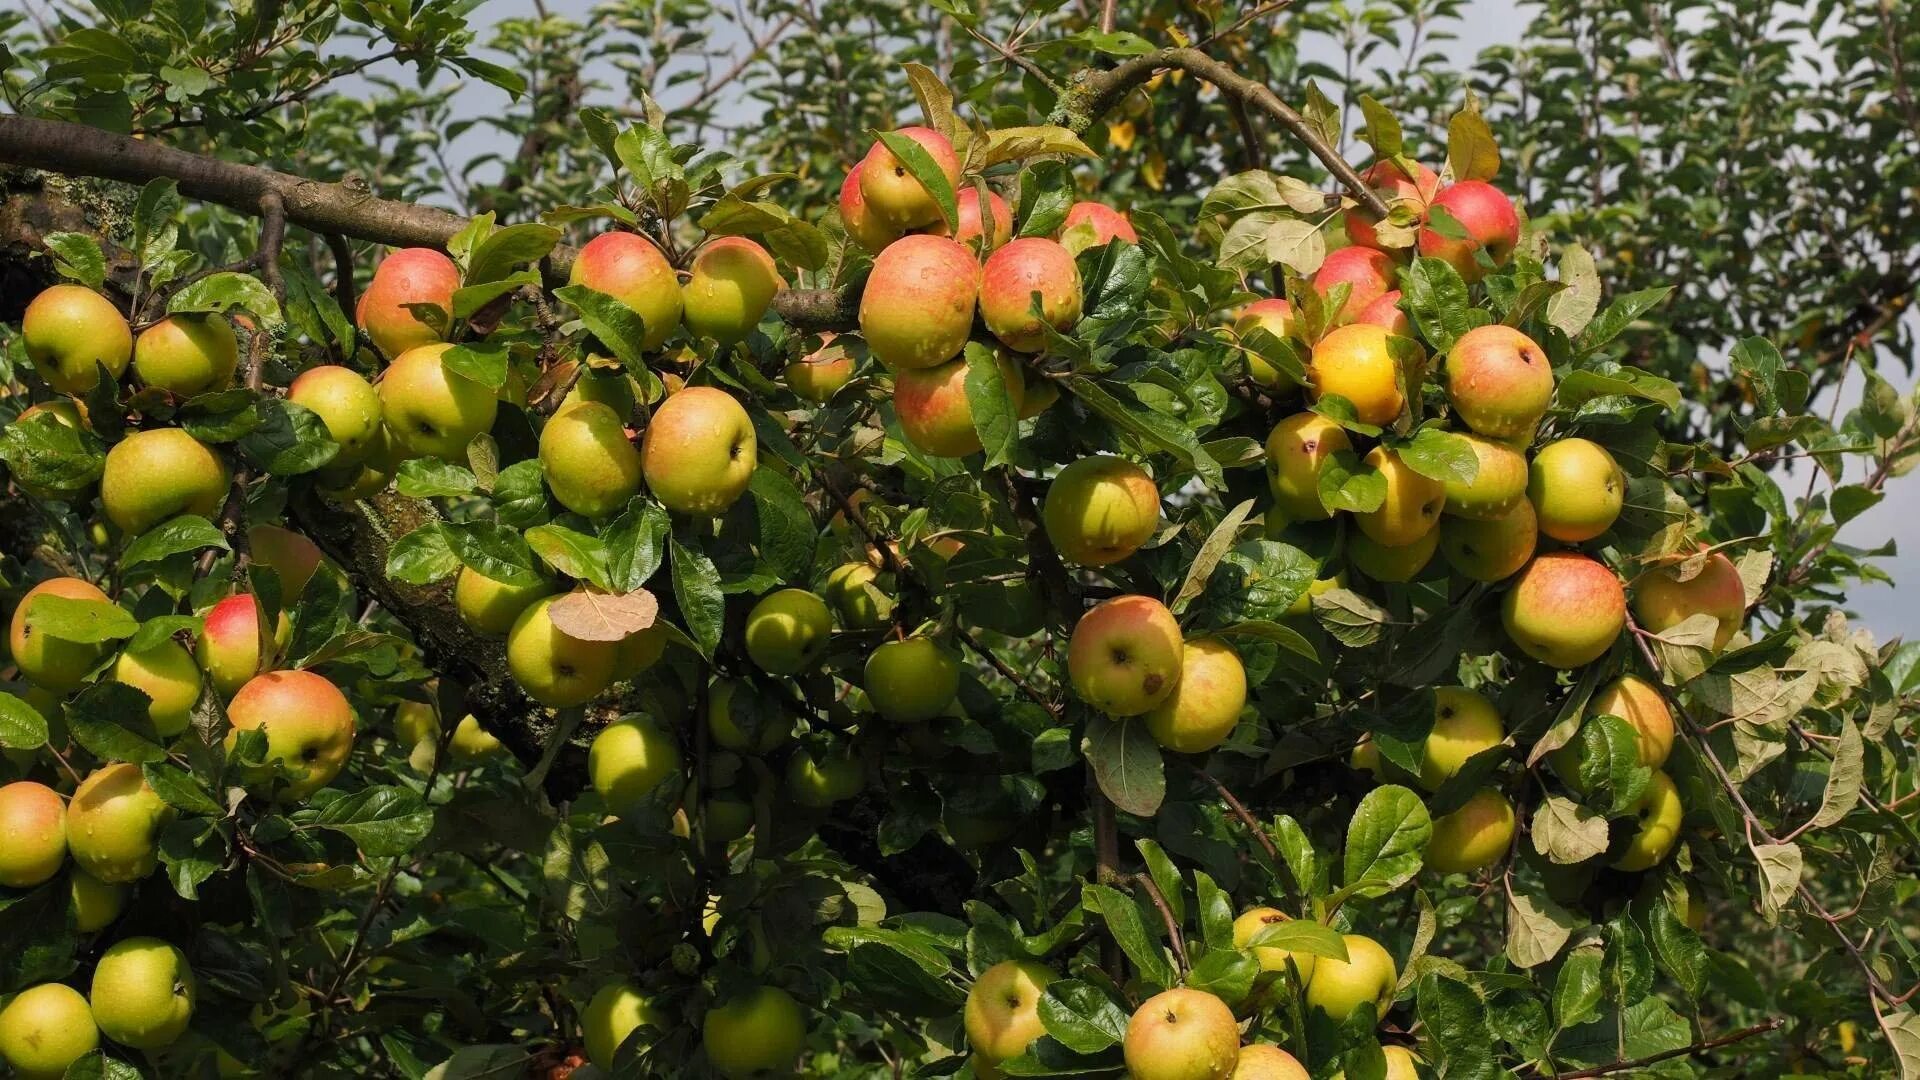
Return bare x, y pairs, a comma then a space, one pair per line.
1174, 937
1771, 1024
1240, 811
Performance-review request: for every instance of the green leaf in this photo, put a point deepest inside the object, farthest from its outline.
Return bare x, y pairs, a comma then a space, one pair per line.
1537, 927
1301, 936
223, 292
423, 556
192, 850
290, 439
1279, 633
786, 530
1566, 832
1440, 455
1129, 930
1471, 152
1347, 484
1619, 315
21, 725
1156, 430
1226, 974
696, 587
1760, 363
1383, 129
179, 788
924, 169
1573, 307
1211, 552
636, 544
1456, 1019
514, 83
995, 417
163, 628
1046, 194
45, 454
155, 214
646, 155
1126, 763
573, 553
1020, 143
381, 821
86, 622
1081, 1016
1118, 43
504, 249
520, 495
1355, 620
484, 362
1386, 840
1844, 776
611, 322
428, 478
96, 1065
469, 299
171, 537
1679, 949
77, 256
95, 717
1435, 297
493, 551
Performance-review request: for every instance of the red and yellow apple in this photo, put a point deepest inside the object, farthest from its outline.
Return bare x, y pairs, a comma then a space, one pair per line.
1013, 276
699, 451
407, 277
1565, 609
1125, 655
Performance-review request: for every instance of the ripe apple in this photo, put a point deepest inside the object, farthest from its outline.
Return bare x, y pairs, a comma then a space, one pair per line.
1465, 723
773, 730
1576, 488
308, 722
346, 403
1125, 655
187, 355
1297, 449
1662, 601
1385, 312
911, 681
154, 474
489, 607
1355, 363
1275, 316
1271, 957
114, 823
431, 411
1303, 604
143, 993
967, 207
1658, 813
588, 460
1003, 1009
933, 408
1367, 273
1473, 837
49, 662
408, 276
629, 268
292, 557
1395, 564
1182, 1034
45, 1029
472, 742
699, 451
229, 645
917, 308
1008, 282
33, 834
863, 225
893, 192
69, 330
1412, 505
1099, 510
1261, 1062
819, 776
762, 1030
733, 280
95, 903
821, 373
554, 668
1394, 185
788, 631
1367, 977
1499, 381
1103, 225
1499, 481
1493, 550
612, 1014
629, 760
1205, 704
1402, 1063
1640, 703
1489, 219
365, 478
65, 413
168, 676
853, 593
1565, 610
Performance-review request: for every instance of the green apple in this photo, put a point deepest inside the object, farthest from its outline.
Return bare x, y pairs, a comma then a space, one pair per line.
292, 557
728, 819
1473, 837
818, 777
629, 761
916, 310
187, 355
1657, 813
760, 1031
891, 190
49, 662
1383, 563
68, 331
45, 1029
1099, 510
1662, 601
732, 281
639, 651
1003, 1008
229, 646
1490, 550
431, 411
553, 667
911, 681
407, 277
1297, 449
143, 993
1499, 481
95, 903
114, 823
772, 730
1576, 488
155, 474
788, 631
33, 834
629, 268
588, 461
1366, 977
699, 451
346, 403
1564, 610
1125, 655
1499, 381
613, 1013
169, 677
1412, 504
1271, 958
853, 592
1465, 723
1206, 702
308, 722
490, 607
1009, 281
1182, 1034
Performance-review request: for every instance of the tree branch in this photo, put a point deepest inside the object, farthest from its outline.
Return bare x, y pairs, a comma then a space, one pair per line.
1771, 1024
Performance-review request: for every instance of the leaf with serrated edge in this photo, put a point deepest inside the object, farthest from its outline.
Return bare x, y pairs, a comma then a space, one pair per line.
591, 615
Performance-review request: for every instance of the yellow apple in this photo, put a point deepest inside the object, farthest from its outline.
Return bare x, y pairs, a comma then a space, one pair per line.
774, 729
818, 777
168, 676
68, 331
853, 593
143, 993
1205, 703
1499, 381
33, 834
1013, 276
1657, 812
490, 607
1473, 837
893, 192
1271, 957
1261, 1062
1564, 610
346, 403
1125, 655
1367, 977
1182, 1034
1577, 488
732, 281
1354, 362
1499, 481
588, 461
407, 277
1493, 549
114, 823
431, 411
155, 474
95, 903
629, 268
1099, 510
553, 667
187, 355
308, 722
1465, 723
613, 1013
1297, 449
1412, 505
699, 451
788, 631
1382, 563
1003, 1008
629, 761
917, 307
45, 1029
1662, 601
229, 646
48, 662
760, 1031
911, 681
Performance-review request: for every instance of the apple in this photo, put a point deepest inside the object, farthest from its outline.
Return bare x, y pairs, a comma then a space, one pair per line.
1577, 489
1465, 723
629, 760
406, 277
168, 676
1493, 550
818, 777
292, 557
143, 993
992, 233
1499, 481
893, 192
65, 413
1303, 604
853, 593
1499, 381
774, 727
1489, 219
1367, 273
1657, 813
1385, 312
588, 460
788, 631
1003, 1009
1099, 510
1366, 977
48, 662
1392, 564
114, 823
1275, 316
471, 742
1412, 505
308, 722
187, 355
917, 307
1640, 703
612, 1014
1205, 703
33, 834
1009, 281
1091, 224
365, 478
1355, 363
1402, 1063
699, 451
911, 681
1125, 655
728, 819
45, 1029
346, 403
1297, 449
863, 225
1261, 1062
1182, 1034
431, 411
1662, 601
760, 1031
1564, 610
68, 331
489, 607
229, 645
1393, 184
554, 668
1473, 837
731, 283
95, 903
1271, 957
933, 408
639, 651
629, 268
821, 373
155, 474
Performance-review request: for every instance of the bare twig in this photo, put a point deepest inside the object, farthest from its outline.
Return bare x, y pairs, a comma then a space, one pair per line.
1240, 811
1174, 937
